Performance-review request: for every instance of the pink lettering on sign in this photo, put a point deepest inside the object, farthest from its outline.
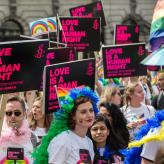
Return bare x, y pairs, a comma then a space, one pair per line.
5, 52
7, 70
71, 55
122, 34
99, 6
141, 51
68, 22
60, 71
95, 24
117, 64
123, 37
52, 96
40, 51
49, 56
73, 36
71, 84
114, 51
90, 70
78, 11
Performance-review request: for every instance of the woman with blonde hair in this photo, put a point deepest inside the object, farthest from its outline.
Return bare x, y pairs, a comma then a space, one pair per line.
39, 122
134, 110
111, 95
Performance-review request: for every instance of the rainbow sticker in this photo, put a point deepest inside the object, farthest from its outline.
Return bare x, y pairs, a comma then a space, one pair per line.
52, 24
5, 161
39, 27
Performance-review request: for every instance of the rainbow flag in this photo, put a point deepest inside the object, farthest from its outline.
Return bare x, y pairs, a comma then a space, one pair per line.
52, 24
157, 26
62, 92
39, 27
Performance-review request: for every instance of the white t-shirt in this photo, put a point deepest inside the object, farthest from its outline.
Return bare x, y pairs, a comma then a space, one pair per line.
150, 149
39, 132
69, 148
138, 115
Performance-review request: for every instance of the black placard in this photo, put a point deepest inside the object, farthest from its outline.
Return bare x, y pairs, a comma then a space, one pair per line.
22, 64
66, 75
80, 33
126, 34
94, 9
15, 153
124, 60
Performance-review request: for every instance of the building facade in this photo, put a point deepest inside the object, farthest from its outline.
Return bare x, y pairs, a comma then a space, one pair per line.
15, 15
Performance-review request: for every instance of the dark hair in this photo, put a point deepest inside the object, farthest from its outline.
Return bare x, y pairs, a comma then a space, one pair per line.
111, 141
118, 123
16, 98
77, 102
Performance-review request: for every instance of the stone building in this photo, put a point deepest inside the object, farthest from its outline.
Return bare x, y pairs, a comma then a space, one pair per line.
15, 15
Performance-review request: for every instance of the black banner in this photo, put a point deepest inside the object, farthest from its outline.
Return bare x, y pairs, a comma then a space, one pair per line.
67, 75
22, 64
80, 33
94, 9
126, 34
124, 60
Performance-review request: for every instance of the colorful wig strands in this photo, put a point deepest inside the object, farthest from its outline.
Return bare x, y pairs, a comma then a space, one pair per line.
132, 155
60, 123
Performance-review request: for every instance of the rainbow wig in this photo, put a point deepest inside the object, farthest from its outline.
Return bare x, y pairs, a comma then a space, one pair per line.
60, 123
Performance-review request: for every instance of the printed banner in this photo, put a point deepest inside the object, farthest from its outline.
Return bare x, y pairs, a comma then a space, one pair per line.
94, 9
126, 34
124, 60
66, 75
80, 33
59, 55
22, 64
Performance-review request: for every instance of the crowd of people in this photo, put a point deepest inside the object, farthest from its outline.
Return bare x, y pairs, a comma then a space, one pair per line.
90, 127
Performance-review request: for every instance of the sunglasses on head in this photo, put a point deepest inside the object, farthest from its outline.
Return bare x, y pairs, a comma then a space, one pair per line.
16, 113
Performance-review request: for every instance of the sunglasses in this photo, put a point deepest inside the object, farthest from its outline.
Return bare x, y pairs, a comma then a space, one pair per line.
16, 113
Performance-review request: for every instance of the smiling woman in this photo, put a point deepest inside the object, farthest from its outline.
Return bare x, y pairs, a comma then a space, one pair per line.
66, 141
105, 142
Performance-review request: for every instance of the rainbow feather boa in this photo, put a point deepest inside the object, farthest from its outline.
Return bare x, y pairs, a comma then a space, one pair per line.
132, 155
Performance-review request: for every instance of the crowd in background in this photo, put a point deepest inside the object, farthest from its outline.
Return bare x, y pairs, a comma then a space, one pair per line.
124, 105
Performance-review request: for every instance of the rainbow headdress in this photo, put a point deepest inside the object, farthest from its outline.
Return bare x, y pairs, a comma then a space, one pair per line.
39, 27
60, 123
132, 155
157, 26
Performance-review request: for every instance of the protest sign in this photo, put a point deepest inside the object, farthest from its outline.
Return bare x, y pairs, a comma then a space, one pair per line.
80, 33
126, 34
90, 10
124, 60
66, 75
22, 64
